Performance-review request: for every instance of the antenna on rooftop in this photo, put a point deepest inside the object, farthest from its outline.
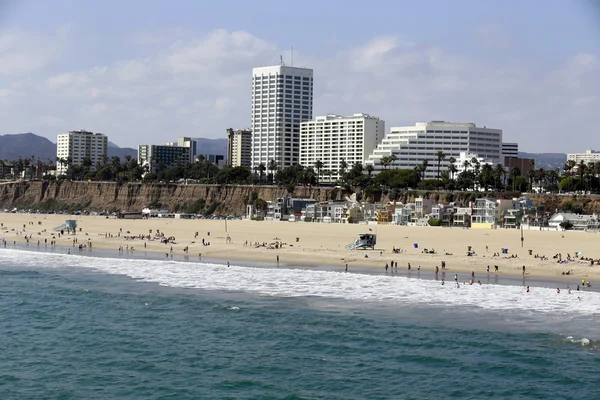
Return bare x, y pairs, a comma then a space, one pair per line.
281, 61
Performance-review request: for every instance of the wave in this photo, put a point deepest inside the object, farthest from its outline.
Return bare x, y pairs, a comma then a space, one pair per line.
584, 342
282, 282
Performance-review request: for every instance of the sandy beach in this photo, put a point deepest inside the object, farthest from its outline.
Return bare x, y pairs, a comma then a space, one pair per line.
312, 244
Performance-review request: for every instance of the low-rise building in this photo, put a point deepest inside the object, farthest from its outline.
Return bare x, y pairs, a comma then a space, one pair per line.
484, 214
462, 217
579, 222
423, 207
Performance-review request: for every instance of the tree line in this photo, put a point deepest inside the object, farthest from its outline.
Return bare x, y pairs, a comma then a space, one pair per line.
474, 175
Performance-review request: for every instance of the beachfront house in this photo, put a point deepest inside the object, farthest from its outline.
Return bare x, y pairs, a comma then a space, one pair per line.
423, 207
579, 222
462, 217
328, 212
443, 213
404, 214
511, 219
286, 209
484, 214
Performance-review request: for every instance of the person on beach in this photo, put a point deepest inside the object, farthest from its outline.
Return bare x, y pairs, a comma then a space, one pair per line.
488, 269
523, 270
442, 282
557, 290
527, 289
277, 258
386, 267
346, 267
456, 278
227, 264
495, 268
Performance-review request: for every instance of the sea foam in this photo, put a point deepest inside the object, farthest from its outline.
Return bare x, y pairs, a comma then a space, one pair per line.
284, 282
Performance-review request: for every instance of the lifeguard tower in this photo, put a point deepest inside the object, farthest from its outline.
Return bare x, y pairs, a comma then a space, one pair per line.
364, 241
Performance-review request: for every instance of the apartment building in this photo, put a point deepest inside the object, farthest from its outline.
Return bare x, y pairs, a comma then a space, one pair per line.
173, 153
333, 138
587, 157
413, 144
282, 98
78, 145
239, 147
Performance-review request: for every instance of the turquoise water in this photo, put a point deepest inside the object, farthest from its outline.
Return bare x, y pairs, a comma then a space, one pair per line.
91, 328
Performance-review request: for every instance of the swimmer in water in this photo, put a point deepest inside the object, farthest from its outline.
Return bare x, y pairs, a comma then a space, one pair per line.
527, 289
557, 290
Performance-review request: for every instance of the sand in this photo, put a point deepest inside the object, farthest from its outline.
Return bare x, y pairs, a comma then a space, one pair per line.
311, 244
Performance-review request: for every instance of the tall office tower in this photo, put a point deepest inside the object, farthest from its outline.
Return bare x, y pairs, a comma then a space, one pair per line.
74, 146
282, 98
239, 147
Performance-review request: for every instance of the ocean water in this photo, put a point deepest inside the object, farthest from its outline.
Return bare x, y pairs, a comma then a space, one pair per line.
76, 327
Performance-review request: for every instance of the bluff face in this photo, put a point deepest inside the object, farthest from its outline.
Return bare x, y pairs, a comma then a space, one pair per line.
134, 196
231, 200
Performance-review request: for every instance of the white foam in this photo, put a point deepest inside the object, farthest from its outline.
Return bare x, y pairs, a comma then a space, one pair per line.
283, 282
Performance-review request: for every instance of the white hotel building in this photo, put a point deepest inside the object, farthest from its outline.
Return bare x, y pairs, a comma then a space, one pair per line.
78, 145
282, 98
587, 157
413, 144
333, 138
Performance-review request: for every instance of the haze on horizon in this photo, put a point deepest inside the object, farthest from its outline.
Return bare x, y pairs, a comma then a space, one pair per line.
150, 71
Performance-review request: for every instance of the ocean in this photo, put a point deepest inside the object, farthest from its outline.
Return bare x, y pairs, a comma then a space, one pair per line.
81, 327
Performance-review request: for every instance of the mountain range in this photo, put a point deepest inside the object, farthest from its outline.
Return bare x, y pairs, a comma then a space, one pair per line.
29, 144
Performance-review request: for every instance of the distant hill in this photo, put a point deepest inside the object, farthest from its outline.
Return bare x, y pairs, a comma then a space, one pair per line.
546, 160
211, 146
29, 144
121, 152
26, 145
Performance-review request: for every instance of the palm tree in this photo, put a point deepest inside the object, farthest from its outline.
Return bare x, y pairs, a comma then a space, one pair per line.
385, 161
261, 171
423, 168
343, 168
319, 166
370, 169
272, 167
514, 172
393, 159
452, 168
500, 172
581, 170
440, 156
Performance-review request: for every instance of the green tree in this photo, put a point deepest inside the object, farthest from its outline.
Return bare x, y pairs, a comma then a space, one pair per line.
440, 155
319, 166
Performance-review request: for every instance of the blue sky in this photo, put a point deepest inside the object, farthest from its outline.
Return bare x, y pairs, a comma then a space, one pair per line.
153, 70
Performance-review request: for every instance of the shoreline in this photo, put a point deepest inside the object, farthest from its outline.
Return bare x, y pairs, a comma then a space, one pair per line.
488, 279
313, 245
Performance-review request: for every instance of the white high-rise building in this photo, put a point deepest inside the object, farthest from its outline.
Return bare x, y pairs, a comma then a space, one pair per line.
413, 144
77, 145
333, 138
587, 157
282, 97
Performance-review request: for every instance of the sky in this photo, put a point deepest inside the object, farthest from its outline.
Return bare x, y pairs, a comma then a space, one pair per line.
151, 71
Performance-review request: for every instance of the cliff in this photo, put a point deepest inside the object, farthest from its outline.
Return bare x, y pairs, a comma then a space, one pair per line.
116, 197
229, 199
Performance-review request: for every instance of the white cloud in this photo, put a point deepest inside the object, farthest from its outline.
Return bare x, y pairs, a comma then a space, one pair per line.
23, 52
198, 86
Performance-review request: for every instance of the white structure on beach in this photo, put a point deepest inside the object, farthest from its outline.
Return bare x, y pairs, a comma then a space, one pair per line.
413, 144
282, 97
77, 145
333, 138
